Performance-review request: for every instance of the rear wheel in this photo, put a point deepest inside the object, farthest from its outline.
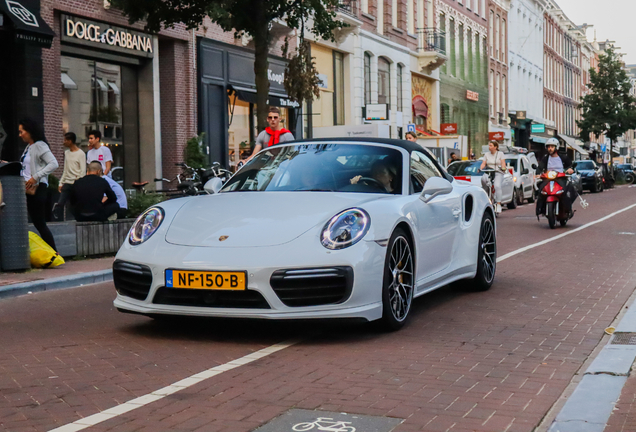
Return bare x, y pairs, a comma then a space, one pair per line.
513, 204
531, 199
520, 196
486, 255
552, 214
399, 281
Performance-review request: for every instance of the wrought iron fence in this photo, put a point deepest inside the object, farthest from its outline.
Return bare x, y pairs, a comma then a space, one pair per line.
346, 6
432, 39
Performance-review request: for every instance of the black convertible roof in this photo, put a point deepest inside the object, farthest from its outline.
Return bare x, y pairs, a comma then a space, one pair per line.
406, 145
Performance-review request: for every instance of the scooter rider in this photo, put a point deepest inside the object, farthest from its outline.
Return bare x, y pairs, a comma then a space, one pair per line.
553, 161
495, 160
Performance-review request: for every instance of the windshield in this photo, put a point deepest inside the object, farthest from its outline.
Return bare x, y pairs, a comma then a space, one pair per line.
321, 167
585, 165
625, 166
469, 168
512, 163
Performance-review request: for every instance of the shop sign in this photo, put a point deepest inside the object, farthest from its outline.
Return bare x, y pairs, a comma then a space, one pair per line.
496, 136
376, 112
448, 128
521, 115
537, 128
88, 32
472, 95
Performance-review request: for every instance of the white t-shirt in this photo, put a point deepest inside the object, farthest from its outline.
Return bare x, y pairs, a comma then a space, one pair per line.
555, 164
493, 161
101, 155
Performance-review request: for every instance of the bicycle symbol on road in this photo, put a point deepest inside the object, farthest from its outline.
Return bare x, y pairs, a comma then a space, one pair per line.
325, 424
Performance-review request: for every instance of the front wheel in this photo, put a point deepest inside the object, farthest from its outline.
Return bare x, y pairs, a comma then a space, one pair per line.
486, 255
629, 178
552, 214
399, 281
531, 198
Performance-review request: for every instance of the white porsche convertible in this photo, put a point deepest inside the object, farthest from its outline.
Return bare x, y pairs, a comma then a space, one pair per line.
337, 228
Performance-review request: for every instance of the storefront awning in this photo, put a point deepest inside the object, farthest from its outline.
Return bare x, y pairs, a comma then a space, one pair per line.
420, 109
67, 82
113, 87
571, 142
249, 95
539, 139
27, 23
101, 84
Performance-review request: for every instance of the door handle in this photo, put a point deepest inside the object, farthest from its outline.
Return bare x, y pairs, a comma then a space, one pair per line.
457, 212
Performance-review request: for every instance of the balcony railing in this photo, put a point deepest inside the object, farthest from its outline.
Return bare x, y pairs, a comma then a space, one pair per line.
432, 39
347, 7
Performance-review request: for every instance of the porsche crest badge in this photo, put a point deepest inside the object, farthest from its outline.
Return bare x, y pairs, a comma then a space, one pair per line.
223, 238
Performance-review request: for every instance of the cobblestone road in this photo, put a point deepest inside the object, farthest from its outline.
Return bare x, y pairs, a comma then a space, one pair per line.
493, 361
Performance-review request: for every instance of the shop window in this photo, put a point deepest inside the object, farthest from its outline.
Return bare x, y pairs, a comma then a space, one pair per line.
367, 78
338, 95
384, 81
400, 102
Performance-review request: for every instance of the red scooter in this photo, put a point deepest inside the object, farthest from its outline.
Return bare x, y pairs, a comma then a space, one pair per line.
554, 188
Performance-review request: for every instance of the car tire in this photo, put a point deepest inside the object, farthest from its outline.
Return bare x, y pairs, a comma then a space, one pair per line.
486, 255
551, 214
602, 187
520, 196
399, 281
531, 198
513, 203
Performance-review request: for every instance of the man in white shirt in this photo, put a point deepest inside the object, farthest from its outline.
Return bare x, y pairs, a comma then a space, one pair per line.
121, 197
98, 152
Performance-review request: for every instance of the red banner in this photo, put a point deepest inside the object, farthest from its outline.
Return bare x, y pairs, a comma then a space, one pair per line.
448, 128
496, 136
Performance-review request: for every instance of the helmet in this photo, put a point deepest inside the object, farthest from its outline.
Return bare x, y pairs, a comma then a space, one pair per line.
552, 141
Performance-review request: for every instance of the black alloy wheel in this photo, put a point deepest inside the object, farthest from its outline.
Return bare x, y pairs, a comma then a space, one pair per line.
399, 281
486, 255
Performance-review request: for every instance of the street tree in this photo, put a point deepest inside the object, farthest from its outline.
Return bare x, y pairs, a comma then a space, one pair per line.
609, 109
252, 18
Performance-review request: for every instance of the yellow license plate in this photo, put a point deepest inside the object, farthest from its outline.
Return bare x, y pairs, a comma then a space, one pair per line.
206, 280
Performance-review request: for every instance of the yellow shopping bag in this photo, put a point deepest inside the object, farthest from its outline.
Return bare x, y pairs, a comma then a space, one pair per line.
43, 255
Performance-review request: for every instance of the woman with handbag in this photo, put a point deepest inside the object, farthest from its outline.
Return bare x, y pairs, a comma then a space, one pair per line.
37, 163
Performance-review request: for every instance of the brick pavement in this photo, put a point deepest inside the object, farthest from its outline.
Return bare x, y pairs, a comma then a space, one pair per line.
494, 361
623, 418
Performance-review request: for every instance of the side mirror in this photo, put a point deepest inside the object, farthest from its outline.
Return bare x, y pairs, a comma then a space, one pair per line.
435, 186
213, 186
534, 166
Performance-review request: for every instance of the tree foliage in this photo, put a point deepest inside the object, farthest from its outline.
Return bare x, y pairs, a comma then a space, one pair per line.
253, 18
609, 109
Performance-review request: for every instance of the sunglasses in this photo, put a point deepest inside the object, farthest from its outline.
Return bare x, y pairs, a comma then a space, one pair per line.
272, 118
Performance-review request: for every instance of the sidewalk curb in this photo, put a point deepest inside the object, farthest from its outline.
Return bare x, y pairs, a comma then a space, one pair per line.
62, 282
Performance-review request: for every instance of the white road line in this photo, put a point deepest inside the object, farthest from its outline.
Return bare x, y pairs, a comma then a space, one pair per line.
156, 395
541, 243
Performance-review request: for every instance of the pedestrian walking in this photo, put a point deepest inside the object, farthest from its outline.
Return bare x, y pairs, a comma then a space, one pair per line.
37, 163
98, 152
87, 196
274, 134
121, 197
74, 168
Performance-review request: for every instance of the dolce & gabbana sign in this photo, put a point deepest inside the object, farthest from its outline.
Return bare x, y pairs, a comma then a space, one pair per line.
105, 36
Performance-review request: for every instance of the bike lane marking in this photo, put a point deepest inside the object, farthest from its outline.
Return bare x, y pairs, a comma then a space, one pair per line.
141, 401
541, 243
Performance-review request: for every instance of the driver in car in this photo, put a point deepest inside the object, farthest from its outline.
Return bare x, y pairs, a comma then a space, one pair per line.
382, 173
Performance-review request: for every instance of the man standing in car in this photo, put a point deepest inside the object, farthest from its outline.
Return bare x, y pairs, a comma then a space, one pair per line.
274, 134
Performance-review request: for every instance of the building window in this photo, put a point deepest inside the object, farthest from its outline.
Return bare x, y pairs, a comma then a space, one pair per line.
491, 92
384, 81
482, 8
504, 109
445, 113
400, 100
503, 42
471, 72
364, 6
338, 88
497, 36
491, 28
462, 66
452, 66
478, 58
367, 78
395, 14
442, 27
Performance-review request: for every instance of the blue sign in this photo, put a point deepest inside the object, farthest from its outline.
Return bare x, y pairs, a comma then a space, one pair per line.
410, 127
603, 148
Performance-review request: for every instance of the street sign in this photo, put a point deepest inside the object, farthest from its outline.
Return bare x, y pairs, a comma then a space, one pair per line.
603, 148
448, 128
521, 115
410, 127
537, 128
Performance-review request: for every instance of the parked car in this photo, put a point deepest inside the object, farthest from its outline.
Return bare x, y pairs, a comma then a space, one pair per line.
345, 228
628, 170
469, 171
523, 176
591, 175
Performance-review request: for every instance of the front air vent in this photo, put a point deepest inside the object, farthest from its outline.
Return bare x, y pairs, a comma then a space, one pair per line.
312, 287
132, 280
468, 207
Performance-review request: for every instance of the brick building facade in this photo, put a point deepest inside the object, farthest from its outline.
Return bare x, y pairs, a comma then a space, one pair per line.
498, 67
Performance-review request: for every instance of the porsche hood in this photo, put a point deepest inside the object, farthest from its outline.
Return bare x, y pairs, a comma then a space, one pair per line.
256, 219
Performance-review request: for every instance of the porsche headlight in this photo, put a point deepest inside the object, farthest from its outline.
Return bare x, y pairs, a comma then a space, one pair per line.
552, 175
345, 229
145, 225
